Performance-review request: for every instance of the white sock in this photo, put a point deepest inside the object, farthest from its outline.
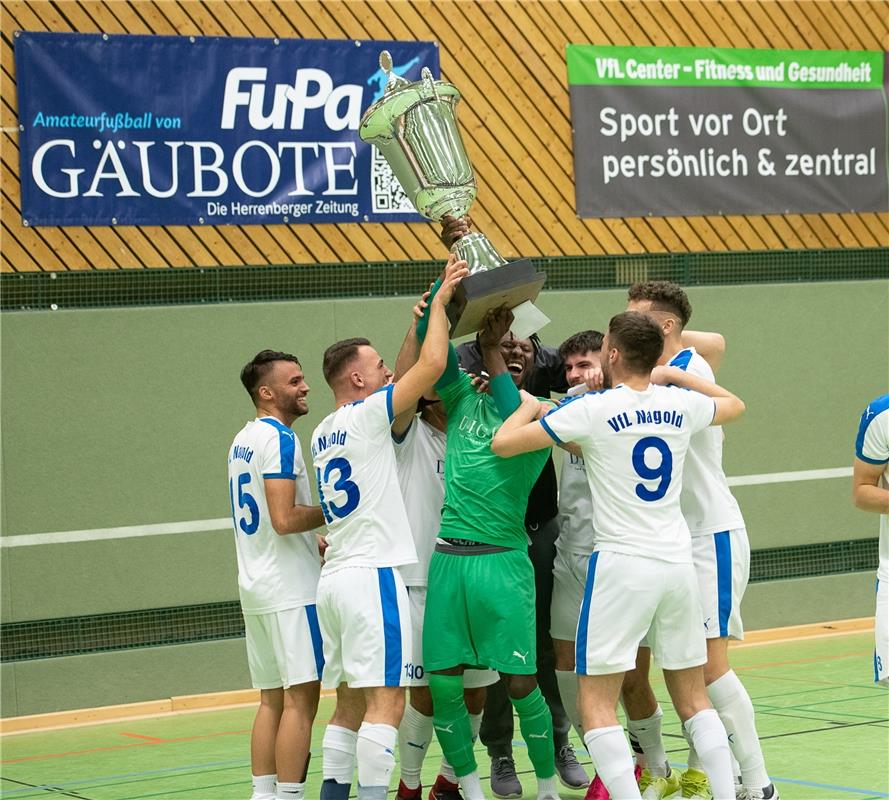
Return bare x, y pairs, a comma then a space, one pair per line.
291, 791
375, 753
707, 734
613, 761
472, 786
414, 735
338, 754
694, 762
735, 709
567, 680
446, 770
547, 788
648, 733
263, 787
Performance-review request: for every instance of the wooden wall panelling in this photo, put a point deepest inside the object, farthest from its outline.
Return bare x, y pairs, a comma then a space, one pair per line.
532, 124
878, 225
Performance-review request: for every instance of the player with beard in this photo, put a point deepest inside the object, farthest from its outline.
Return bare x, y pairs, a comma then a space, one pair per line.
641, 580
278, 568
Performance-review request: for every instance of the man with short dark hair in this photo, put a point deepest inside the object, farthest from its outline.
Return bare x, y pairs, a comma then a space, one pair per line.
720, 549
640, 579
278, 568
362, 602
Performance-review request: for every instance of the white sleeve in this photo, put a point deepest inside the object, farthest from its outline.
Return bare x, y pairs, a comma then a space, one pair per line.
700, 410
277, 458
571, 421
872, 444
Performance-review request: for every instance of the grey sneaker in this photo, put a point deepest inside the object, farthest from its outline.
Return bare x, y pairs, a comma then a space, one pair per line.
571, 773
504, 781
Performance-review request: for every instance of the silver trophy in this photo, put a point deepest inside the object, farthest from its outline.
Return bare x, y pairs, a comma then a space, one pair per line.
414, 126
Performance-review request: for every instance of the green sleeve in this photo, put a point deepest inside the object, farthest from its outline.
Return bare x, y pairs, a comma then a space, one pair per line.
452, 367
506, 396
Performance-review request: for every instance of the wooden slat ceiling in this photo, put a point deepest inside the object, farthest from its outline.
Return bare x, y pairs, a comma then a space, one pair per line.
508, 59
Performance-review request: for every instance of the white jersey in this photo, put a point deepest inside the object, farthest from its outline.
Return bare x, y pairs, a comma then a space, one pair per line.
420, 460
576, 531
634, 445
354, 460
275, 572
872, 446
707, 503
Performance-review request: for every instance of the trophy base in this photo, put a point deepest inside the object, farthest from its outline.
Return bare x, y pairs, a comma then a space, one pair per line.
509, 285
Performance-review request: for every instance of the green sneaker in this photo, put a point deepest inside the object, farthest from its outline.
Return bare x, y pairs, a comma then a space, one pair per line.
659, 788
695, 786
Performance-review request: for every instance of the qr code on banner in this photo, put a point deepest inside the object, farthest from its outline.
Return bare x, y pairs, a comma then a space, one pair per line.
388, 196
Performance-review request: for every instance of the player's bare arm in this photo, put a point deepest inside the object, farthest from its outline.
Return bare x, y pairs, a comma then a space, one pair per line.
729, 407
286, 517
407, 357
521, 432
708, 344
867, 493
495, 326
421, 377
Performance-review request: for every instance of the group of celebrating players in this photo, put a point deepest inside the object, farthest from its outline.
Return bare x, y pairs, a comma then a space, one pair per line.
423, 478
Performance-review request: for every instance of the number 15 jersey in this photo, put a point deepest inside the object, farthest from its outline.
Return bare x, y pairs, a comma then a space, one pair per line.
354, 461
634, 446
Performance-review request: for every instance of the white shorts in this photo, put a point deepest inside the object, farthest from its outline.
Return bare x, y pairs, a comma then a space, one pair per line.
881, 632
366, 627
472, 678
722, 562
627, 598
569, 578
284, 648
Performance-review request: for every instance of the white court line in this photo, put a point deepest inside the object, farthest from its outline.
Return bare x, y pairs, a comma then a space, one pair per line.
225, 523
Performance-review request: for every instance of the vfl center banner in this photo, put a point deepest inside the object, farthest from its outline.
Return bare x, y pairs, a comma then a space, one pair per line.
175, 130
673, 131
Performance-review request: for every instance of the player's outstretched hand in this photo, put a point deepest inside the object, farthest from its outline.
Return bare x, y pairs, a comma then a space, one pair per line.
480, 382
454, 228
594, 379
454, 272
420, 307
495, 326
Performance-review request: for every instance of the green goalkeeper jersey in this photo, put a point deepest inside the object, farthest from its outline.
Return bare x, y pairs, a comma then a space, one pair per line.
485, 495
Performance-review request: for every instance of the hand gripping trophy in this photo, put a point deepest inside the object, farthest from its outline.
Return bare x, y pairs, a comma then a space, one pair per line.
414, 126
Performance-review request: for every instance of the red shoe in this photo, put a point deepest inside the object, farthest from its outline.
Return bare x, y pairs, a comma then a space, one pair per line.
404, 793
443, 789
597, 790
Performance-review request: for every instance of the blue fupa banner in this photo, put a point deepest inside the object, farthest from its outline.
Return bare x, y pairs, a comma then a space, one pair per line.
177, 130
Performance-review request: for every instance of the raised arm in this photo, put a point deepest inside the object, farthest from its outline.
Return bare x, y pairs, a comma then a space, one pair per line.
433, 357
710, 346
501, 387
728, 406
407, 357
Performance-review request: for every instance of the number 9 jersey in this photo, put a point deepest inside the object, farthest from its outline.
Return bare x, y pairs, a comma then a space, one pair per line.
275, 573
634, 446
357, 478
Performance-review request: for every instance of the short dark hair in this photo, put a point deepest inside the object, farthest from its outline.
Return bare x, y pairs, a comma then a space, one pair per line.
259, 366
338, 355
580, 343
664, 296
639, 339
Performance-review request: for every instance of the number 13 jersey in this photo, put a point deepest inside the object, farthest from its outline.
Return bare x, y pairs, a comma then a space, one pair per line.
357, 478
634, 446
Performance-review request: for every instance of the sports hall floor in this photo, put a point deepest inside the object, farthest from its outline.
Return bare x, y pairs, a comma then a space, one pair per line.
824, 726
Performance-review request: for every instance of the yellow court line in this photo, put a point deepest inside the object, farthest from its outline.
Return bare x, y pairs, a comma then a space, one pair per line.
189, 704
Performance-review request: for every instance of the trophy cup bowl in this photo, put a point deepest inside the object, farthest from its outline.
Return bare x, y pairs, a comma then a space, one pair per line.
414, 126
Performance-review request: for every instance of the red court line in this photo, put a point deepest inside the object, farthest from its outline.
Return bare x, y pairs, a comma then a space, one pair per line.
152, 739
149, 743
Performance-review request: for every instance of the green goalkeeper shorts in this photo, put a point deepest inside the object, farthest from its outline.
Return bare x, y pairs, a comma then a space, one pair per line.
480, 611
